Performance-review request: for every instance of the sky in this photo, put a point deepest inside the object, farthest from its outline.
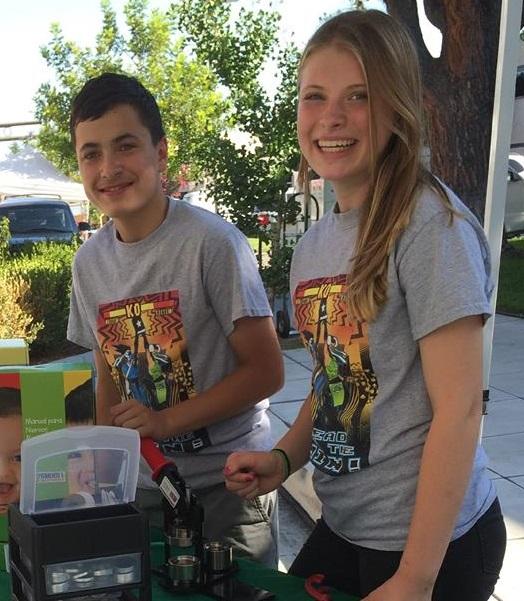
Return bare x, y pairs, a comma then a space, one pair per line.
24, 28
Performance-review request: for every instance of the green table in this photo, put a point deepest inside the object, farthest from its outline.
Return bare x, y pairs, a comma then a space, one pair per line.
285, 587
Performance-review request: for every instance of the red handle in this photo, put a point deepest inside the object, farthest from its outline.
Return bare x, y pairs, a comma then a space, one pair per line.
153, 455
320, 593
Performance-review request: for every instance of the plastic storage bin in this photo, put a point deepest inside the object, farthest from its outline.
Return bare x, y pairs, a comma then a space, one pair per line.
76, 531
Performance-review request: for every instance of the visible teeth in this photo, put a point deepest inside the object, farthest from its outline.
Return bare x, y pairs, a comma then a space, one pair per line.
335, 145
114, 188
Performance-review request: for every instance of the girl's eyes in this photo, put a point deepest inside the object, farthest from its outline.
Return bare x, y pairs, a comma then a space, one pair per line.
16, 458
313, 96
354, 96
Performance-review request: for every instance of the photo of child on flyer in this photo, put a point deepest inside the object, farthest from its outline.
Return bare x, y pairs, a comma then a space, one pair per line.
81, 464
10, 441
78, 412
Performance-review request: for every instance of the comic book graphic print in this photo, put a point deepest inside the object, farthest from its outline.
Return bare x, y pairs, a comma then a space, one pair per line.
144, 344
343, 385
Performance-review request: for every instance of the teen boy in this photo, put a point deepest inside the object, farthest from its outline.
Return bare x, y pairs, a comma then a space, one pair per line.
169, 298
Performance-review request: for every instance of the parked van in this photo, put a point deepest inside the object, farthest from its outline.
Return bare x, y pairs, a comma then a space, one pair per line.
39, 219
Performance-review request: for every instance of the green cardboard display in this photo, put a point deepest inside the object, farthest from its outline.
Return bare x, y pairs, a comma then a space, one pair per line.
52, 396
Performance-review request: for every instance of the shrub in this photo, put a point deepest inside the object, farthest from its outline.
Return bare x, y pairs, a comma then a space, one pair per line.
5, 236
276, 275
16, 320
46, 270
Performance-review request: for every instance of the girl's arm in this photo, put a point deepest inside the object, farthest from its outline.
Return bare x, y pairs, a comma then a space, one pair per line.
452, 367
297, 440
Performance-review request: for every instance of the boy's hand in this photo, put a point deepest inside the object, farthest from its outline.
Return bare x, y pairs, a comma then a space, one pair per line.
134, 415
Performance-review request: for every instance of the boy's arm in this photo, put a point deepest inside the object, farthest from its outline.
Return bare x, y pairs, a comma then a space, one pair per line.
259, 373
107, 394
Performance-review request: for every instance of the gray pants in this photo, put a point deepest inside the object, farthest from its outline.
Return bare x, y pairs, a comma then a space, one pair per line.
251, 527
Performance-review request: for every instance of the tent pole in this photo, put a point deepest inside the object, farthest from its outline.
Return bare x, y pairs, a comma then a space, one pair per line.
504, 101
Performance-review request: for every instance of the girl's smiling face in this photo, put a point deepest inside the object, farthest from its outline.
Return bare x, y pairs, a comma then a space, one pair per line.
333, 122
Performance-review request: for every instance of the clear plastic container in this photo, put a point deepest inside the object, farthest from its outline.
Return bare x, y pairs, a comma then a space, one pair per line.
74, 468
92, 574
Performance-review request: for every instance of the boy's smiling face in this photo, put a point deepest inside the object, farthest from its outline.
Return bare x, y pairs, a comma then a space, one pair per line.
120, 165
10, 441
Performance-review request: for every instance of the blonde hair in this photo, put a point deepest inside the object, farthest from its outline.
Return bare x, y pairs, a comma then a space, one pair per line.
391, 70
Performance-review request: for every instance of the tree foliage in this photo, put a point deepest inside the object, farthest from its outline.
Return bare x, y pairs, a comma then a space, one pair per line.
184, 88
459, 88
254, 174
205, 70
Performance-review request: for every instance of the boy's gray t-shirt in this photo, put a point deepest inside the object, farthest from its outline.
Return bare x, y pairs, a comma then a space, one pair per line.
371, 410
161, 310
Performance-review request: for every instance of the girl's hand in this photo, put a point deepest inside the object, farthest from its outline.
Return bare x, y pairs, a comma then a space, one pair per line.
253, 473
401, 588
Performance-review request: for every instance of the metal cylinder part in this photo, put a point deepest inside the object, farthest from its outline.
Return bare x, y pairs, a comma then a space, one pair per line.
180, 537
59, 576
125, 572
104, 576
103, 572
184, 569
59, 587
218, 556
73, 571
84, 580
125, 578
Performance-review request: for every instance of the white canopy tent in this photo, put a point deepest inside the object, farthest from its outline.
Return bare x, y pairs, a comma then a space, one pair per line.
27, 171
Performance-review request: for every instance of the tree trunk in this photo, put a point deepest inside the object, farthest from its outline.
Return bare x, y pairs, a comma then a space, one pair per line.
458, 89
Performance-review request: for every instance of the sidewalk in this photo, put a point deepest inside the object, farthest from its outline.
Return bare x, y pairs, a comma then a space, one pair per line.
503, 440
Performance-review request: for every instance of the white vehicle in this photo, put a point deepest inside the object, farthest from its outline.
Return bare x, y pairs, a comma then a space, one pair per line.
199, 199
514, 214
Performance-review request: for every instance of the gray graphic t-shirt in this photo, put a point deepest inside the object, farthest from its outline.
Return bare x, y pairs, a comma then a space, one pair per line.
160, 310
371, 410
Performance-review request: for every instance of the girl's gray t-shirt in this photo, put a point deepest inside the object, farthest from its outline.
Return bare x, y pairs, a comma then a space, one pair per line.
371, 410
161, 311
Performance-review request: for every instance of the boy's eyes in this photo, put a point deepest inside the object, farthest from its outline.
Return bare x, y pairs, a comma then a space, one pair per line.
89, 156
17, 458
92, 155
